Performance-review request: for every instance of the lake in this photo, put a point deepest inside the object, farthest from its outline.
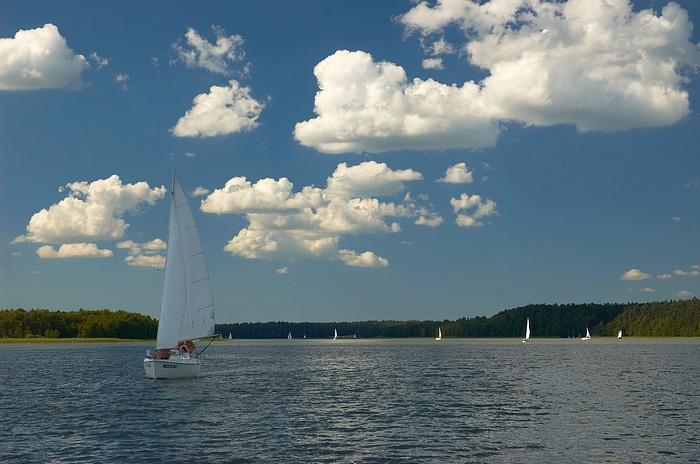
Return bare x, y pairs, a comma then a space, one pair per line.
365, 401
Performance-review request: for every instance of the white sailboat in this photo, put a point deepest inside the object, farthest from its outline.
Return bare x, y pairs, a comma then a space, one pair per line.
289, 336
588, 335
619, 334
230, 336
439, 337
527, 331
187, 306
335, 334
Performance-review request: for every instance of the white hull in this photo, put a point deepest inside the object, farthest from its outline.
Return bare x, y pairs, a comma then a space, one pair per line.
438, 339
526, 341
583, 339
173, 368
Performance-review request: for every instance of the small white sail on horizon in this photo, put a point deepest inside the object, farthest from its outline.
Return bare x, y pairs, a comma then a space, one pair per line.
230, 336
335, 334
588, 335
619, 334
527, 331
187, 305
439, 337
289, 336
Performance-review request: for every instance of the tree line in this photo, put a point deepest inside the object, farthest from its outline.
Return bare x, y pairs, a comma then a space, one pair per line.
18, 323
658, 319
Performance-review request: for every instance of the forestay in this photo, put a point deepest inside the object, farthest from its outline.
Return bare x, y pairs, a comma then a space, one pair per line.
187, 306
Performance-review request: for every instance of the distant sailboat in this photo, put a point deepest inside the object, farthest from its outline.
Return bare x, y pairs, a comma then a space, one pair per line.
230, 337
289, 336
187, 306
439, 337
335, 334
588, 335
619, 334
527, 331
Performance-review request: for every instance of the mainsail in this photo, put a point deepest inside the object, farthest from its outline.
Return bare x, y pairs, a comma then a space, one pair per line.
527, 329
187, 306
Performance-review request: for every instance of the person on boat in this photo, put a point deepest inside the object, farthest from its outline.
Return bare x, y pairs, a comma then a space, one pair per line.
186, 346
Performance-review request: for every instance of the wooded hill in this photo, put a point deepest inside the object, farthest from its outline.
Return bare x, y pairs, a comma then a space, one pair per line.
660, 319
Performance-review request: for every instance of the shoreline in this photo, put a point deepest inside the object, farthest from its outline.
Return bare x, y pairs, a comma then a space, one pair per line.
546, 340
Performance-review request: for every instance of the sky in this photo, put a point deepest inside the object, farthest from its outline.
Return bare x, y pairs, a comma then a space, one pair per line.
351, 160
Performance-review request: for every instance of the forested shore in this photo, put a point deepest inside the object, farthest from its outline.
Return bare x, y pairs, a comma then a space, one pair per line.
659, 319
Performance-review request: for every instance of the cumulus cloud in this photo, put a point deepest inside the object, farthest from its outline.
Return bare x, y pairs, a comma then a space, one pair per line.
282, 270
368, 106
692, 272
635, 274
646, 290
432, 63
146, 254
200, 191
470, 210
309, 223
664, 276
684, 293
369, 179
38, 59
218, 57
597, 64
98, 61
224, 110
73, 250
123, 80
458, 174
366, 259
91, 211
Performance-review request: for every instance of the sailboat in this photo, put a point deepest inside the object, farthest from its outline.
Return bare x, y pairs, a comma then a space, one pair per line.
527, 331
588, 335
289, 336
439, 337
619, 334
230, 337
187, 306
335, 334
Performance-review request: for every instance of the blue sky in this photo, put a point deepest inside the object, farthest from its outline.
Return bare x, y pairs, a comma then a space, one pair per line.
585, 184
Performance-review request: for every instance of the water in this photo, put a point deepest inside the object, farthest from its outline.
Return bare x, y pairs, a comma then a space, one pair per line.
383, 401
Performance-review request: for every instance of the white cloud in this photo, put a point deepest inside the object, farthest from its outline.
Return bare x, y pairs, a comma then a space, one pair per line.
155, 261
635, 274
99, 61
217, 57
596, 64
664, 276
222, 111
437, 47
458, 174
91, 211
282, 270
366, 259
432, 63
691, 273
73, 250
676, 219
685, 293
200, 191
144, 254
38, 59
369, 179
309, 223
123, 80
368, 106
16, 253
471, 209
646, 290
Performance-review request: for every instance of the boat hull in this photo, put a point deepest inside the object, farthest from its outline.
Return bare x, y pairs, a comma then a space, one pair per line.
171, 368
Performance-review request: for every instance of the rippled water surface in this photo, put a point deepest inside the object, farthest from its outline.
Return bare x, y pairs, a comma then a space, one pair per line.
401, 401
